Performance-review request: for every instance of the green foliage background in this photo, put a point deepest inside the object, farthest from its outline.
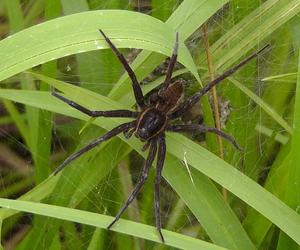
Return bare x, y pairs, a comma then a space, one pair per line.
58, 39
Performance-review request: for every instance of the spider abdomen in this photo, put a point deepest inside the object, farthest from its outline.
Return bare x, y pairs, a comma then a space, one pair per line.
170, 97
150, 123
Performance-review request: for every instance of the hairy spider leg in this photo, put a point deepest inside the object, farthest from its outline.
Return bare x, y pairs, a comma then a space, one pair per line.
161, 155
138, 94
115, 131
196, 97
201, 128
109, 113
141, 181
171, 66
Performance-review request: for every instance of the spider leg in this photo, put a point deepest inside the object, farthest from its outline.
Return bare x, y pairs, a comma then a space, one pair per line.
117, 130
128, 133
201, 128
196, 97
109, 113
138, 94
146, 146
140, 183
171, 66
161, 155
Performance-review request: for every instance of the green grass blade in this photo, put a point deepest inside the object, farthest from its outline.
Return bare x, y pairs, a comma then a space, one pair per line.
35, 10
17, 187
18, 120
256, 225
162, 11
67, 35
97, 70
292, 76
41, 125
71, 7
292, 188
271, 133
101, 221
15, 15
97, 241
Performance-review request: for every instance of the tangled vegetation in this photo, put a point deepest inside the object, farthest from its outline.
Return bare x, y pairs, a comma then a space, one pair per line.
214, 196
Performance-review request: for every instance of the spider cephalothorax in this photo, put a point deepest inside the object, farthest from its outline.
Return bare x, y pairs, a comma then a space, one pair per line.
151, 121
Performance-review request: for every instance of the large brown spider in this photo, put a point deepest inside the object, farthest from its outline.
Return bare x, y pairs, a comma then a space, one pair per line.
151, 121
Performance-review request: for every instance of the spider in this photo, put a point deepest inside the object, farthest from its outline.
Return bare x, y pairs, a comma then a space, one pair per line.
150, 122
